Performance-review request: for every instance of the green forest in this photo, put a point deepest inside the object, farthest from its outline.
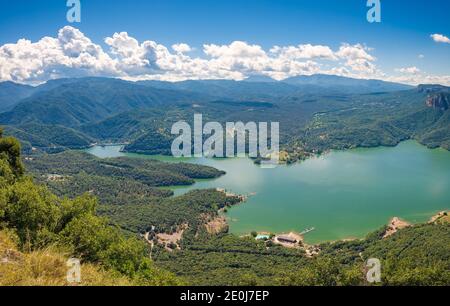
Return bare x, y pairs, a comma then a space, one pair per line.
36, 219
97, 222
225, 151
114, 213
76, 113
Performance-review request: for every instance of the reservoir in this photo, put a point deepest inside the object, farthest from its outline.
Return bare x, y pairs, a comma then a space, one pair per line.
342, 194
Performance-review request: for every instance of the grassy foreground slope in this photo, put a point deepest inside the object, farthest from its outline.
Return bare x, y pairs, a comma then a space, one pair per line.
47, 228
46, 267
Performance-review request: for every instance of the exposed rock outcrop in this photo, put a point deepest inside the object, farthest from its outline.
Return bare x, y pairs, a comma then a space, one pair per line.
395, 225
439, 101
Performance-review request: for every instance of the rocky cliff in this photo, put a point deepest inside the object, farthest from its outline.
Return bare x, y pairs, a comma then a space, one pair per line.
439, 101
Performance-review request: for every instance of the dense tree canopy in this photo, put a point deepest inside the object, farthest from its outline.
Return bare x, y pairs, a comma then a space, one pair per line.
417, 255
41, 219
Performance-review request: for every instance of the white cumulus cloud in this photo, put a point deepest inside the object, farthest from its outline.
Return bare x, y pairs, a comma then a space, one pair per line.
304, 52
72, 54
440, 38
69, 54
181, 48
409, 70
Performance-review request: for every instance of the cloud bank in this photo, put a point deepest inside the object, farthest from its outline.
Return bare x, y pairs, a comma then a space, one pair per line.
72, 54
439, 38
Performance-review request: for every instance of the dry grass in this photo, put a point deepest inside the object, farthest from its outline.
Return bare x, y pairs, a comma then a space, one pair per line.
46, 268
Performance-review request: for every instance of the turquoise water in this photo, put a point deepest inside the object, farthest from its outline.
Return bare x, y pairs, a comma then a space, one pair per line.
343, 194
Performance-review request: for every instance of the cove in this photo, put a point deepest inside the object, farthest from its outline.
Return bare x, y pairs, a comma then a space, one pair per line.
342, 194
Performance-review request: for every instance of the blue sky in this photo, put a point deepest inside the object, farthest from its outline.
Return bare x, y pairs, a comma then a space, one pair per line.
396, 42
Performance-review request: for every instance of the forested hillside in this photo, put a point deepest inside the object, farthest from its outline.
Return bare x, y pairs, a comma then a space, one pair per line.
42, 227
11, 93
88, 100
414, 256
33, 219
113, 213
382, 119
316, 113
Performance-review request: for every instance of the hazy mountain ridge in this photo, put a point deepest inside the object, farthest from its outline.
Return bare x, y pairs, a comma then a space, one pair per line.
11, 93
263, 87
76, 112
254, 87
89, 100
349, 85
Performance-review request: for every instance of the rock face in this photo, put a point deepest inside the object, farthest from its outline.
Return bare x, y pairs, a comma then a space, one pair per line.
439, 101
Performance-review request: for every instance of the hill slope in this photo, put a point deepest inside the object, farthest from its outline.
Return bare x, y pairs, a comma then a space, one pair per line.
88, 100
11, 93
316, 113
47, 267
264, 88
347, 85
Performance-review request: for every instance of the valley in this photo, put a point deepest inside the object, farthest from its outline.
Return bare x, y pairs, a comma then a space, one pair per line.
356, 153
75, 113
202, 148
342, 194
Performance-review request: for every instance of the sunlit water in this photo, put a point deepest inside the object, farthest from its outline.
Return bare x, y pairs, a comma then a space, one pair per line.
343, 194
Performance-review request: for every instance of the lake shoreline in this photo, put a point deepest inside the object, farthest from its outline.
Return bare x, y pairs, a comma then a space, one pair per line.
308, 154
355, 174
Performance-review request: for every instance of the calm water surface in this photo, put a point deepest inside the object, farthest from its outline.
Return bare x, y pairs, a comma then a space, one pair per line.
343, 194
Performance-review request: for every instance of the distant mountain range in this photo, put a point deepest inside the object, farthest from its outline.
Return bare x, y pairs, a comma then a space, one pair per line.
261, 87
11, 93
73, 113
73, 102
349, 85
255, 87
